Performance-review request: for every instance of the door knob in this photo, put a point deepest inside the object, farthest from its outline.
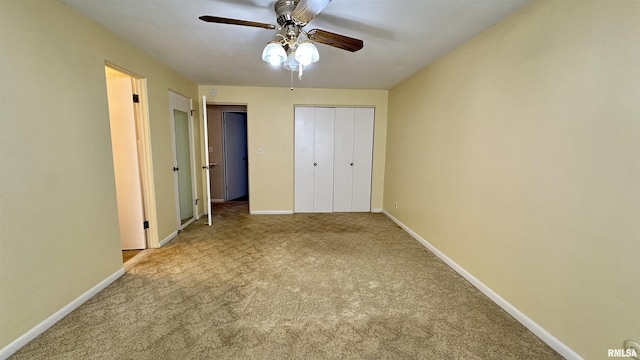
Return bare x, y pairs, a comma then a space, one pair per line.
175, 168
315, 164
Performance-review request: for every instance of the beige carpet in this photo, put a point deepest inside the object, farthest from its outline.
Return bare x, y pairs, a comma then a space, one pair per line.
316, 286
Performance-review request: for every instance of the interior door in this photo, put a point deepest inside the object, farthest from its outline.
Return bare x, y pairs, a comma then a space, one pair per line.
362, 159
323, 160
205, 167
343, 160
304, 159
234, 127
182, 168
125, 160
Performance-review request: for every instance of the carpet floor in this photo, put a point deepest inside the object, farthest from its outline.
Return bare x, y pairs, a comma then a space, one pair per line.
304, 286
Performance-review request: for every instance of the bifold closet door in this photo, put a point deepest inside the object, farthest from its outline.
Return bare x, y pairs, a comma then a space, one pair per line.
314, 132
353, 159
343, 160
362, 159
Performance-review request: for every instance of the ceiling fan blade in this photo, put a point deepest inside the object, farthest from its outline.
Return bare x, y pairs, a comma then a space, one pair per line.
335, 40
221, 20
306, 10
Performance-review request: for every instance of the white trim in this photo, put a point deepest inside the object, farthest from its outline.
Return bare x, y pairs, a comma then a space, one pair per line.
192, 155
272, 212
57, 316
538, 330
168, 238
376, 210
217, 200
205, 150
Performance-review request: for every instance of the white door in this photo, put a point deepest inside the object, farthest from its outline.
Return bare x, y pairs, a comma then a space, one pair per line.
362, 159
314, 144
180, 109
234, 127
205, 167
304, 125
125, 160
333, 159
343, 160
323, 160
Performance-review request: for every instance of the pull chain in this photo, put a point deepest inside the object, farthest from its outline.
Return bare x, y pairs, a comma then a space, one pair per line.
291, 80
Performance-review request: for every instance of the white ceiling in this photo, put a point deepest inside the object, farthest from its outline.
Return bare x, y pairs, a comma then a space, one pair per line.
400, 37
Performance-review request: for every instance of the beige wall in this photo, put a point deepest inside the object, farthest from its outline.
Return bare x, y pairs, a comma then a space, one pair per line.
518, 156
270, 127
58, 219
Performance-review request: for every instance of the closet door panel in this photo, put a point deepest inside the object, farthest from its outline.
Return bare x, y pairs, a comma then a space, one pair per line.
343, 158
362, 159
323, 164
304, 159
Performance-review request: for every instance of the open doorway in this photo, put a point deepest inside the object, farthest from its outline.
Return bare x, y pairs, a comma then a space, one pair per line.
126, 95
228, 159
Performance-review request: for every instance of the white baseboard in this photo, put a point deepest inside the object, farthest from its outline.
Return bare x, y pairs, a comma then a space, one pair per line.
134, 260
168, 238
57, 316
376, 210
272, 212
217, 200
538, 330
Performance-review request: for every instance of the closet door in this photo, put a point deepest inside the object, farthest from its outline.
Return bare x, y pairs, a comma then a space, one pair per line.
323, 160
343, 160
362, 159
304, 159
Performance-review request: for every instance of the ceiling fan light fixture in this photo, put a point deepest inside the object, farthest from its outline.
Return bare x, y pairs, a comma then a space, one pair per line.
306, 53
274, 53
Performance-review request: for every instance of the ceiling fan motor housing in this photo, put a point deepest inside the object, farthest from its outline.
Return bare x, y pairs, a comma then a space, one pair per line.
284, 9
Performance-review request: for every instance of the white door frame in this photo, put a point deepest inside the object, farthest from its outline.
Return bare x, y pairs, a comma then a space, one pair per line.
205, 166
184, 104
141, 112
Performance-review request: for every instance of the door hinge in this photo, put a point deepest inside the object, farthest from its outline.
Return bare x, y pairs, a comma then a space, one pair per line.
136, 98
192, 111
145, 225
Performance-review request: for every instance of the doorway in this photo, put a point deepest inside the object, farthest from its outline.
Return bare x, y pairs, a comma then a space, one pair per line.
129, 147
236, 167
228, 157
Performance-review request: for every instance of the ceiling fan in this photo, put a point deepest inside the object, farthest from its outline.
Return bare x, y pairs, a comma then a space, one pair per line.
289, 47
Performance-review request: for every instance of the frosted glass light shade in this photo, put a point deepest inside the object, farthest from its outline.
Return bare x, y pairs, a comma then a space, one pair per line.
306, 53
274, 53
291, 64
